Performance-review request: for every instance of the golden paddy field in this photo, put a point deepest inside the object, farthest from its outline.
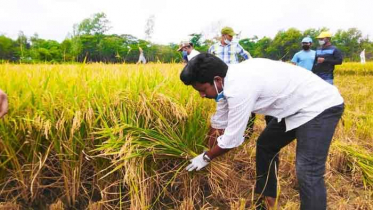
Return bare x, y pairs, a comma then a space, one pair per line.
99, 136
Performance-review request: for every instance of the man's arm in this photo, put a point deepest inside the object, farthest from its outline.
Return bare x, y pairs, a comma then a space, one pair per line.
240, 109
295, 59
3, 104
246, 55
211, 49
314, 62
218, 123
216, 151
212, 136
337, 58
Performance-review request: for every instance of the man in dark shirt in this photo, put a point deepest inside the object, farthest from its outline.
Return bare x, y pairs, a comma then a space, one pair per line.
327, 56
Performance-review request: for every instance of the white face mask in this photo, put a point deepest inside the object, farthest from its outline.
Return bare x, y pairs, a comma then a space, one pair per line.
321, 42
226, 41
220, 95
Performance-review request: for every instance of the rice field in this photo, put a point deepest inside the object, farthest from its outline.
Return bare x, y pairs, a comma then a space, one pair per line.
99, 136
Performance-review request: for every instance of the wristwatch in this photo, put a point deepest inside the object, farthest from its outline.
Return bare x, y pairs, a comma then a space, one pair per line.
206, 157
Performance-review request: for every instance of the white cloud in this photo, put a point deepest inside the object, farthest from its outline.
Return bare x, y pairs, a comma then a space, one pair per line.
53, 19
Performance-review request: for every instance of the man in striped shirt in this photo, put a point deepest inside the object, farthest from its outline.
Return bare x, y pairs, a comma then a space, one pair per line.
228, 50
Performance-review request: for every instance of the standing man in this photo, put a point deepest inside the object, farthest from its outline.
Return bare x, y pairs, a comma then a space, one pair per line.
141, 57
228, 50
3, 104
305, 107
327, 56
306, 57
183, 53
187, 48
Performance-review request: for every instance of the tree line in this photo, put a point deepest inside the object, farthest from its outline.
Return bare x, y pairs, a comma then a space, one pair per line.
90, 43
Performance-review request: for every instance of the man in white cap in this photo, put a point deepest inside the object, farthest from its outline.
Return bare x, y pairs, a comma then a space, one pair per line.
306, 57
187, 48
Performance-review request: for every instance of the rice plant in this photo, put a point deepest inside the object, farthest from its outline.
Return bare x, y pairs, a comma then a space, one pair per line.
119, 137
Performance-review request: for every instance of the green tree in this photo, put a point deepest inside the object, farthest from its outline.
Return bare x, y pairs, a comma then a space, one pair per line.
111, 48
196, 40
368, 46
89, 50
261, 47
249, 44
199, 45
7, 48
23, 45
45, 50
66, 48
98, 24
349, 43
285, 44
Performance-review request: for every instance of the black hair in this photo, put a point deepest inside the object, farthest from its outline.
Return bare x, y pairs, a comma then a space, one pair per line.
202, 69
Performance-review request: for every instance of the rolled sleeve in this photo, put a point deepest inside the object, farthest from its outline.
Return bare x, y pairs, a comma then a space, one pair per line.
211, 50
240, 109
295, 59
243, 52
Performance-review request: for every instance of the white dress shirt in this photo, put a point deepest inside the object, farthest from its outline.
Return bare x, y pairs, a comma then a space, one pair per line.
273, 88
192, 54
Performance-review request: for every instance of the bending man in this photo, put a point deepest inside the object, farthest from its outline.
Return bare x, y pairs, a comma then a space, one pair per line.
305, 107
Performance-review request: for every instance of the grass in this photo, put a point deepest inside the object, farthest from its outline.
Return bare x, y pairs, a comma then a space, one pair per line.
120, 136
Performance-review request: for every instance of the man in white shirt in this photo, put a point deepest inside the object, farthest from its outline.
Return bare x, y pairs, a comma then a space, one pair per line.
141, 57
305, 107
188, 48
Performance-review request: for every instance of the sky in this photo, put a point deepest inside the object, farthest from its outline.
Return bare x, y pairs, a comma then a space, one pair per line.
175, 20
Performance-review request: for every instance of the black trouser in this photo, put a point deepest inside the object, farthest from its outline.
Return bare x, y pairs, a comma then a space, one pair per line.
268, 119
313, 142
250, 125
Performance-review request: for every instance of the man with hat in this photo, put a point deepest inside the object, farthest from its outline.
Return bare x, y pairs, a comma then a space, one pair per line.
183, 53
327, 56
305, 57
188, 50
228, 50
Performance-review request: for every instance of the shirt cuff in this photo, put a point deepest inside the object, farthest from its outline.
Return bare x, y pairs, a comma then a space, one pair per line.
224, 144
218, 124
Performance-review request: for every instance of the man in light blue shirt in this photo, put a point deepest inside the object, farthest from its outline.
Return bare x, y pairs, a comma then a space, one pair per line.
306, 57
